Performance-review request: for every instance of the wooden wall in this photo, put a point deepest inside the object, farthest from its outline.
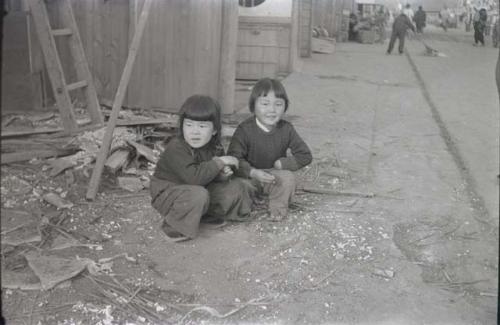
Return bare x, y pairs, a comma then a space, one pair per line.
328, 14
180, 51
263, 47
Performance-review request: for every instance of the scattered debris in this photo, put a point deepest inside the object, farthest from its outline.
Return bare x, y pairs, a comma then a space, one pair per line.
60, 165
131, 184
57, 201
52, 270
384, 273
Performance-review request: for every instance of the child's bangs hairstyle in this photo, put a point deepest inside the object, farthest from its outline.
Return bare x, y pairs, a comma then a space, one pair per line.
201, 108
262, 88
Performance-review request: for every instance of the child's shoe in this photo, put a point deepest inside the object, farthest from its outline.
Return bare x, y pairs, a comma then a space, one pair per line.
173, 235
213, 222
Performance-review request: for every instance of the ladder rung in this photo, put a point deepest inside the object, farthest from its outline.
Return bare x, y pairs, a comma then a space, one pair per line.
62, 32
76, 85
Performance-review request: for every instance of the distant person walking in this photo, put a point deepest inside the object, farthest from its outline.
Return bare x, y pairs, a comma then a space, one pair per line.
399, 27
480, 18
444, 15
420, 19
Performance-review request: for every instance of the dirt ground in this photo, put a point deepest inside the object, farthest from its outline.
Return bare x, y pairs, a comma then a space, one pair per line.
403, 244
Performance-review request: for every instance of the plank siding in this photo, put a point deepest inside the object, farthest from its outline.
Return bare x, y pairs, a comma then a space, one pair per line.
179, 53
263, 47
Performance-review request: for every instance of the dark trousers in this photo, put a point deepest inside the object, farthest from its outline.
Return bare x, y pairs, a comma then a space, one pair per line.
397, 35
478, 35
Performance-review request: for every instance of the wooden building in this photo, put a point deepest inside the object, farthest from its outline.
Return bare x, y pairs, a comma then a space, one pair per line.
188, 47
332, 15
185, 49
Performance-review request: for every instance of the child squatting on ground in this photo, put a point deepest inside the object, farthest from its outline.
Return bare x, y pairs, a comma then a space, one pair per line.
192, 181
261, 143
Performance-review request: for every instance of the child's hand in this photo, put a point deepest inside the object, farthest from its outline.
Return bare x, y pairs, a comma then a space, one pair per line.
229, 161
227, 171
277, 164
261, 176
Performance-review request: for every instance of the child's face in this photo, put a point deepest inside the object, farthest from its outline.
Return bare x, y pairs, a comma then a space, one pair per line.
269, 109
197, 133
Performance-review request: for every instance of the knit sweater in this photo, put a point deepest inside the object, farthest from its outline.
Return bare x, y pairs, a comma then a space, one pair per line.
182, 164
258, 149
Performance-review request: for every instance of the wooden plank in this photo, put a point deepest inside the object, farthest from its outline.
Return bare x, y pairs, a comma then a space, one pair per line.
16, 133
117, 103
77, 85
7, 158
117, 160
62, 32
227, 66
53, 64
170, 123
80, 63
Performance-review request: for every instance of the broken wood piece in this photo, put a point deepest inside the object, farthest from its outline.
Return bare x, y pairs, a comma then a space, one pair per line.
118, 159
131, 184
144, 151
168, 122
9, 120
7, 158
109, 259
60, 165
333, 192
57, 201
117, 103
16, 133
384, 273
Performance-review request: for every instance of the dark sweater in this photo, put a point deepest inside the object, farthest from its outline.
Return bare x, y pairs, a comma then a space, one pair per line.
401, 24
258, 149
182, 164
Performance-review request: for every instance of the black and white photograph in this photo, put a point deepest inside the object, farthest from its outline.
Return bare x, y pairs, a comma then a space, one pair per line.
250, 162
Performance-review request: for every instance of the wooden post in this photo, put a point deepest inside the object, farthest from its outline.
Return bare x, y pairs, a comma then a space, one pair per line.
227, 65
294, 36
117, 103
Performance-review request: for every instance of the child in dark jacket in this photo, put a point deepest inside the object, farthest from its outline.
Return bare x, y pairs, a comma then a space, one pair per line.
193, 179
261, 143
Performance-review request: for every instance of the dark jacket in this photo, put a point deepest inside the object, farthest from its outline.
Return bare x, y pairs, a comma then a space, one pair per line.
401, 24
420, 18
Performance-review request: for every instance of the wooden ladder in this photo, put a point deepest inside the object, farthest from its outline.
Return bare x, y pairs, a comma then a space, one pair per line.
61, 89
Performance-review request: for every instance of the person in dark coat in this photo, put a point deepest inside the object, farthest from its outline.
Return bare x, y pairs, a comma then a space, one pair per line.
353, 31
480, 19
399, 27
419, 19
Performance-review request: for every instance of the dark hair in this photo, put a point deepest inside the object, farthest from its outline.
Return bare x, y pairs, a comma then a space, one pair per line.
262, 88
202, 108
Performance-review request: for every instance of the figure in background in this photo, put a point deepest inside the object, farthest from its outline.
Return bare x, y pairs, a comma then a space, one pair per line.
381, 22
399, 27
268, 147
193, 182
408, 11
353, 31
480, 18
420, 19
444, 16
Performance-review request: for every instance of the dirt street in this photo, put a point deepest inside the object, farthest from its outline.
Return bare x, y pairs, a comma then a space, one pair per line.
406, 244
